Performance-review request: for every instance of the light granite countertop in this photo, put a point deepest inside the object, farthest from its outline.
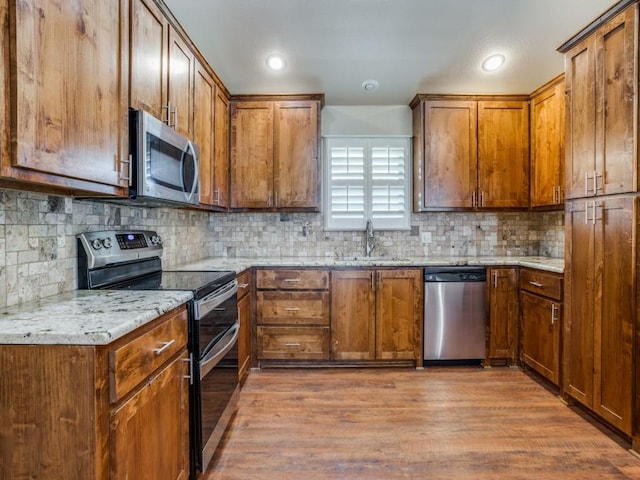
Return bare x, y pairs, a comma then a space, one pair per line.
85, 317
239, 264
97, 317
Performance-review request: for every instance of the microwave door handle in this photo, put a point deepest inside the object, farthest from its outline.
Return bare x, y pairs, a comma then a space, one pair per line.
196, 172
215, 355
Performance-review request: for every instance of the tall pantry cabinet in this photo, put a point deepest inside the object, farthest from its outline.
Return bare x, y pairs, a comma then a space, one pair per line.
601, 216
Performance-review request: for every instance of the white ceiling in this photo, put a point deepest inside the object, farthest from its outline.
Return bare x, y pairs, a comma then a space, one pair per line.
408, 46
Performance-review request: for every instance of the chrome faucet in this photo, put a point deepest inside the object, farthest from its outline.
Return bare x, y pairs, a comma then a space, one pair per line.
369, 246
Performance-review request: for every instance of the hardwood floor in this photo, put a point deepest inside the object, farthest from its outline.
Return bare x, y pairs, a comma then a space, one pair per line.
440, 423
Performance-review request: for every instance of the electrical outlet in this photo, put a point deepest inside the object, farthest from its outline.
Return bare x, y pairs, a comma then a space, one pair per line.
425, 238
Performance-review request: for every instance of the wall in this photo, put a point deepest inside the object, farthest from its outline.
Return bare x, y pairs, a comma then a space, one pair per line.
38, 245
386, 120
444, 234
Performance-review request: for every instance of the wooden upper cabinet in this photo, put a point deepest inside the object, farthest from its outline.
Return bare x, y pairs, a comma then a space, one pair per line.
274, 153
601, 82
221, 150
503, 154
162, 68
203, 129
180, 87
251, 155
149, 58
547, 127
296, 163
67, 94
450, 154
470, 152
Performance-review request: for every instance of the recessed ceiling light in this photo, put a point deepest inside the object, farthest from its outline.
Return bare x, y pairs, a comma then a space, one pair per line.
493, 62
276, 62
370, 86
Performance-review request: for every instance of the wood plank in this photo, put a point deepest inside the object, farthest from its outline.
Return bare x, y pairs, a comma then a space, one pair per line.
394, 423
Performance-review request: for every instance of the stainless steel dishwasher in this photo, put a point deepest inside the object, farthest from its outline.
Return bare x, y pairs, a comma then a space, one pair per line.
454, 315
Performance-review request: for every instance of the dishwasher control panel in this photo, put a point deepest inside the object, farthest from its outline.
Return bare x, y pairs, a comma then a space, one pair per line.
455, 274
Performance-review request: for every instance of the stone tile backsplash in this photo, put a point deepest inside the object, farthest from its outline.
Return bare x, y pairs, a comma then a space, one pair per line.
38, 247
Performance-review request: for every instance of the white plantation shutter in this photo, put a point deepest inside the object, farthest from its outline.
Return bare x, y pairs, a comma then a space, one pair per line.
367, 178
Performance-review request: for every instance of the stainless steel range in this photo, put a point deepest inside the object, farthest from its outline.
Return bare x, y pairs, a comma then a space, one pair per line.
132, 260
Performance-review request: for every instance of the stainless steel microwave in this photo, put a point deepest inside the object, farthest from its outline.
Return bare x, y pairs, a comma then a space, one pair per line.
164, 163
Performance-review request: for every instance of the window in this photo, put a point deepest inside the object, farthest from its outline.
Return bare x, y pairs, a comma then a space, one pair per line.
367, 178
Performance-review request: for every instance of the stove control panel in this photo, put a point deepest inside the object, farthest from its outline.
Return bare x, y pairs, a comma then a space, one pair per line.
113, 247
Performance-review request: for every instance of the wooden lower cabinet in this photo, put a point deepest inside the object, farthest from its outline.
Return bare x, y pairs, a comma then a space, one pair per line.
541, 320
353, 315
292, 314
376, 314
245, 312
147, 433
62, 418
502, 291
601, 306
293, 343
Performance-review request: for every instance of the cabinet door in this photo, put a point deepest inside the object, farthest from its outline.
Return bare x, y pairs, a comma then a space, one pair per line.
399, 314
616, 88
251, 155
204, 96
244, 335
296, 163
450, 154
353, 315
149, 432
580, 78
221, 150
547, 146
615, 309
541, 335
70, 89
149, 45
503, 154
503, 313
180, 86
579, 302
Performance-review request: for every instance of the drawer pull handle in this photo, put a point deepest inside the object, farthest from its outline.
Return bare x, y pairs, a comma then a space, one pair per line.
164, 346
536, 284
292, 344
292, 309
292, 280
243, 285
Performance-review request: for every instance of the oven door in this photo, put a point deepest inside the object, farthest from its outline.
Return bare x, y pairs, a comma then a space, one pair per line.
216, 395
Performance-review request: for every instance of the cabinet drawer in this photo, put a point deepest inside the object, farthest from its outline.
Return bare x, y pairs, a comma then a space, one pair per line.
293, 343
293, 308
131, 363
543, 283
292, 279
244, 283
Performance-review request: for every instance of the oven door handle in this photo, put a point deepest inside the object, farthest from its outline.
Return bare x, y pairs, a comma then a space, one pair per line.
218, 352
211, 301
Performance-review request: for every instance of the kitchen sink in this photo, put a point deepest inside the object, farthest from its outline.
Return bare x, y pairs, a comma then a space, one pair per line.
371, 259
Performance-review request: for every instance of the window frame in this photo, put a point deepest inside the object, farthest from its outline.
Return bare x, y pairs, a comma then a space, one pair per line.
369, 141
